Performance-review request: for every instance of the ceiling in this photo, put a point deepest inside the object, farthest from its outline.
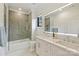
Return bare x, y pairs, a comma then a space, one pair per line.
15, 6
44, 8
37, 8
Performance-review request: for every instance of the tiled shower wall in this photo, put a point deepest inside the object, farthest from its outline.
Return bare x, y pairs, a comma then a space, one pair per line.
19, 26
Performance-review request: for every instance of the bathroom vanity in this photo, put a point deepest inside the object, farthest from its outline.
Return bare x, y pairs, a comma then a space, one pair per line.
55, 47
64, 26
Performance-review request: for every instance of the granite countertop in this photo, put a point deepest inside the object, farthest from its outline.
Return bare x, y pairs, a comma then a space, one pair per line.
73, 47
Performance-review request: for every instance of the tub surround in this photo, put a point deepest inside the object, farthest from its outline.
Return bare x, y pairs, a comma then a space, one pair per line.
20, 48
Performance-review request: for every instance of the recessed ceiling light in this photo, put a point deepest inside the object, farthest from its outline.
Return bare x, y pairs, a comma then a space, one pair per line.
20, 9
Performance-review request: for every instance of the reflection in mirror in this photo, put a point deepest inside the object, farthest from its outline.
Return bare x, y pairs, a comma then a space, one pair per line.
39, 21
47, 24
64, 24
64, 21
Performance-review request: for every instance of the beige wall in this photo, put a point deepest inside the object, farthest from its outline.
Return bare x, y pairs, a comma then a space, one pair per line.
67, 20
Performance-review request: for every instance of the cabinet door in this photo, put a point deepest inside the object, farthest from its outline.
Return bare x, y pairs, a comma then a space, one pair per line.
46, 49
58, 51
37, 46
42, 48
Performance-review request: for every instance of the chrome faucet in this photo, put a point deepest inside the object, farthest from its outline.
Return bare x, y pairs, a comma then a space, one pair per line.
53, 34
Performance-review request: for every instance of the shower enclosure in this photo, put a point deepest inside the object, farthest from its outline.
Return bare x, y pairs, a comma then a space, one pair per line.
14, 26
19, 29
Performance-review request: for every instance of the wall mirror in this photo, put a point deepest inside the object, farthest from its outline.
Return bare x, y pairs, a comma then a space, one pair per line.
65, 20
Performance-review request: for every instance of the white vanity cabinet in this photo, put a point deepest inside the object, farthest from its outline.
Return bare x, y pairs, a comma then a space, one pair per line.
42, 47
38, 47
45, 48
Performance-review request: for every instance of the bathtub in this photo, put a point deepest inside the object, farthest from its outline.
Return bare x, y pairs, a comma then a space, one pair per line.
20, 47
